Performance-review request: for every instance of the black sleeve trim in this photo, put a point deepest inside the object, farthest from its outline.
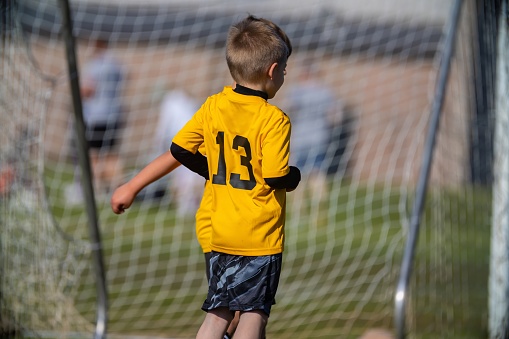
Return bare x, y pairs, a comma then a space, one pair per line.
289, 181
195, 162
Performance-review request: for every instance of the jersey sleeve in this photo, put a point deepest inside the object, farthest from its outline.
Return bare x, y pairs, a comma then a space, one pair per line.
276, 147
202, 149
190, 137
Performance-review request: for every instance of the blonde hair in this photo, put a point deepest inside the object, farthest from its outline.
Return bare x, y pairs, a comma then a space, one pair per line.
252, 46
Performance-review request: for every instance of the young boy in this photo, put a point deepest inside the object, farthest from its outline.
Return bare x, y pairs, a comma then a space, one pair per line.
247, 142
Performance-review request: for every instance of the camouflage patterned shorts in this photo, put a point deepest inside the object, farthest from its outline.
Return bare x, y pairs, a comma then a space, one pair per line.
243, 283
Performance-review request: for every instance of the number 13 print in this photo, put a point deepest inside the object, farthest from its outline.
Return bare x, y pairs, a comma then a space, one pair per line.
235, 181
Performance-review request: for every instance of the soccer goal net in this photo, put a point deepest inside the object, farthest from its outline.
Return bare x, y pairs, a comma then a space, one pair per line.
358, 90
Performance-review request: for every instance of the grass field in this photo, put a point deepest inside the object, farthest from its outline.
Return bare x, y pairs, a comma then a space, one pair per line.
338, 279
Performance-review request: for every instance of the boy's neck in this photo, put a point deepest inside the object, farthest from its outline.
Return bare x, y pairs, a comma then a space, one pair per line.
249, 91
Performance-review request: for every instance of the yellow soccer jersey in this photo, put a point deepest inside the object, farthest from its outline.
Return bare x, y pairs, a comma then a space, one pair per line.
246, 140
203, 222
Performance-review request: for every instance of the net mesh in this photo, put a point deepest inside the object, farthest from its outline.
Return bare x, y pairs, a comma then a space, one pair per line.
374, 66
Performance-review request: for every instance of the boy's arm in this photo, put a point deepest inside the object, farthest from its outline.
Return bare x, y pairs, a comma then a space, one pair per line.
288, 182
196, 162
124, 196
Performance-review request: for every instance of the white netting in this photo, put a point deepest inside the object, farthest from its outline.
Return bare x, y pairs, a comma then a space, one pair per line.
40, 268
375, 65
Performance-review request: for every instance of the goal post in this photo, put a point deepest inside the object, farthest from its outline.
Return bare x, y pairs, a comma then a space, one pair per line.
87, 175
499, 258
402, 288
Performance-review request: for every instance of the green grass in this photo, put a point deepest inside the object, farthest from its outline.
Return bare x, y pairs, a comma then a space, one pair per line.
449, 281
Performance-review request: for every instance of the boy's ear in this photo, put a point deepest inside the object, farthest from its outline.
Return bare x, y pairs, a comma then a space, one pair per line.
271, 70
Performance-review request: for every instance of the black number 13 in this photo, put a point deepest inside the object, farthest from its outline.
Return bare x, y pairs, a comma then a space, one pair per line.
235, 181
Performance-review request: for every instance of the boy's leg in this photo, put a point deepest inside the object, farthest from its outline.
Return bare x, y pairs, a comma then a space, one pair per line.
254, 288
251, 325
215, 324
233, 325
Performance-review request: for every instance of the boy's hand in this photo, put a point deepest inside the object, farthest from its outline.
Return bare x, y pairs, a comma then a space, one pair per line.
122, 199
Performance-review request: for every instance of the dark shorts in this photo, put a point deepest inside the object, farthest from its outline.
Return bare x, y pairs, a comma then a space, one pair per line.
243, 283
103, 136
207, 264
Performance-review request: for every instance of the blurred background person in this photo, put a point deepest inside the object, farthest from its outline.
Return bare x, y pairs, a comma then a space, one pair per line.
342, 130
17, 156
185, 187
312, 108
7, 177
102, 86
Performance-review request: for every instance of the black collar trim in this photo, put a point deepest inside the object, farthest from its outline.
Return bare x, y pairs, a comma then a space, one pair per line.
248, 91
